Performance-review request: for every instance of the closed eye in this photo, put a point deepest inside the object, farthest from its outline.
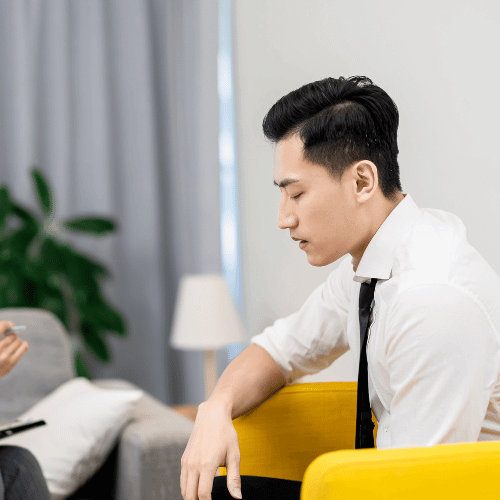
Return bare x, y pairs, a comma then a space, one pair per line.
296, 197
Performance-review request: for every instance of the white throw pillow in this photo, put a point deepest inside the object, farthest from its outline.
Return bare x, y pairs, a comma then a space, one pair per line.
83, 423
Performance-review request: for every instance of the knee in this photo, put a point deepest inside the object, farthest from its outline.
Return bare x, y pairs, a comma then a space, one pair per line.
16, 453
19, 458
21, 473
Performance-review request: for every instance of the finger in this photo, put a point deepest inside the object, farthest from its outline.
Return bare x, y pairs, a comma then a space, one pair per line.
9, 359
5, 325
11, 345
206, 482
8, 339
21, 350
233, 475
16, 355
183, 478
8, 348
15, 351
192, 485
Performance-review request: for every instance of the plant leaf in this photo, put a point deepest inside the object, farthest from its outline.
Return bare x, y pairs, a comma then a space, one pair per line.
81, 366
11, 286
82, 274
53, 256
32, 270
95, 342
79, 271
88, 266
20, 239
25, 215
43, 192
90, 225
51, 299
102, 315
5, 206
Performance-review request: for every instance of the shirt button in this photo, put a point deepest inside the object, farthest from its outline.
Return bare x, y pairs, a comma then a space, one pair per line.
386, 428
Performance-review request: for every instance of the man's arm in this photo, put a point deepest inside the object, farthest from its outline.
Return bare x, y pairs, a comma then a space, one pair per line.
443, 358
312, 338
251, 378
304, 342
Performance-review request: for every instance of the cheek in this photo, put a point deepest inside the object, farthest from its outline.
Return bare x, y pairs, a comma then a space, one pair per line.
328, 220
335, 229
335, 218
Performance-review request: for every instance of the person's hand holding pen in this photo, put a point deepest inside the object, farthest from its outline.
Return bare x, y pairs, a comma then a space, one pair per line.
12, 348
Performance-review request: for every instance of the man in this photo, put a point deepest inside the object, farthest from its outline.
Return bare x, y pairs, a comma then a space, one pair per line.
21, 477
433, 348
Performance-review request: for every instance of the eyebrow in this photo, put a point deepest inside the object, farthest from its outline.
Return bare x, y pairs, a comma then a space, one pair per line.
285, 182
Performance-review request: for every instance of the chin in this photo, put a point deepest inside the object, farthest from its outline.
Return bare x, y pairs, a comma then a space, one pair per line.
320, 261
317, 265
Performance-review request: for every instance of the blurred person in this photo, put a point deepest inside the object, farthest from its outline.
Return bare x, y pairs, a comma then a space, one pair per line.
433, 347
21, 477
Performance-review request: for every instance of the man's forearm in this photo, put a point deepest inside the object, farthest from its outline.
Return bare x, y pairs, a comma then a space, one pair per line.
251, 378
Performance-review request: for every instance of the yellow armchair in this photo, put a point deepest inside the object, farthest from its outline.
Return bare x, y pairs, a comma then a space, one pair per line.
306, 432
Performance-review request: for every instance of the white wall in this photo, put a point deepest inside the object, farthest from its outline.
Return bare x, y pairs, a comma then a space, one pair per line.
438, 60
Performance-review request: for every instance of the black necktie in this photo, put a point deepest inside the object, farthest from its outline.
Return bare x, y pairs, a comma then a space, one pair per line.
364, 424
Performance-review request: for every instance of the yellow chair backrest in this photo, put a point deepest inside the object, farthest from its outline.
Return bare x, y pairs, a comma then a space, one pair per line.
283, 435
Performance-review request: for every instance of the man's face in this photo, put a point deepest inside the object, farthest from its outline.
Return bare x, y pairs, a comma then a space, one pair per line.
324, 214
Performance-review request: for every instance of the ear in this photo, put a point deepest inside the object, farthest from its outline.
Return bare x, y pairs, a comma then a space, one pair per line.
366, 176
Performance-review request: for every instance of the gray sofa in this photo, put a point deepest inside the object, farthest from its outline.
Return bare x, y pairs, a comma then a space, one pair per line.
146, 462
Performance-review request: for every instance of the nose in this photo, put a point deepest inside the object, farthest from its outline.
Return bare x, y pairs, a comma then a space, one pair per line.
286, 220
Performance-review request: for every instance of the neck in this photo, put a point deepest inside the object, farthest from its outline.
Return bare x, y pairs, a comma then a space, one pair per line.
377, 214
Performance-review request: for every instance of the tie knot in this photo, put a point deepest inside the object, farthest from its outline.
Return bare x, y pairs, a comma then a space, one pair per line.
366, 293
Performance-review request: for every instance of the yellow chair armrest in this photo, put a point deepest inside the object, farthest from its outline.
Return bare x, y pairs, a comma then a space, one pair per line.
459, 471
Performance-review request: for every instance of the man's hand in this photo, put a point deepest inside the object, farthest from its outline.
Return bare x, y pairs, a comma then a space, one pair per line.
213, 443
12, 348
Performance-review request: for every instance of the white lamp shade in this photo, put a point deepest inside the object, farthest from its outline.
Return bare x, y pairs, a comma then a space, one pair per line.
205, 316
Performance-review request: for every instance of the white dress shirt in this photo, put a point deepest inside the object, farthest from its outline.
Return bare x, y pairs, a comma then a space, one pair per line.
434, 345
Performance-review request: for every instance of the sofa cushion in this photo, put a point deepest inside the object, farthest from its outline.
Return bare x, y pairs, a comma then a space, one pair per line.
83, 423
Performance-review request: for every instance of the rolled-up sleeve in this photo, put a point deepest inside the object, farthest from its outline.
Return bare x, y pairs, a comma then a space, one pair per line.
443, 355
312, 338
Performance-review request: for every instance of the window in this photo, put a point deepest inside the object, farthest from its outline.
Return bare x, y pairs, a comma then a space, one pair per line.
228, 173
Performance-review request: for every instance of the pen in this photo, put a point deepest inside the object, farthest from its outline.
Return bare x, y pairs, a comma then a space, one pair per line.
15, 329
20, 428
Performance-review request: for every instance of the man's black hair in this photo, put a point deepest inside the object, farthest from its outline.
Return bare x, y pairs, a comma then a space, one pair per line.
341, 121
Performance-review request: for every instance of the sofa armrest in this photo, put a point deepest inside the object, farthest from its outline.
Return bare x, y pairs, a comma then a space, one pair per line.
149, 459
150, 449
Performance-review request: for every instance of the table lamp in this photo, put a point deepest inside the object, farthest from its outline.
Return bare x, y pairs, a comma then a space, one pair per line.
205, 318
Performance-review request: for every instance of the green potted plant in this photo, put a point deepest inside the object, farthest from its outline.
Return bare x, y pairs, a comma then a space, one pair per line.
40, 268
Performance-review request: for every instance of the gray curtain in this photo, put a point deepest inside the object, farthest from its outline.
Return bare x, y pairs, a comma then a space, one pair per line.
116, 102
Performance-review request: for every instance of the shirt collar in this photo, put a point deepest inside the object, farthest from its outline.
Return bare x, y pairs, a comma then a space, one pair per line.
378, 258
